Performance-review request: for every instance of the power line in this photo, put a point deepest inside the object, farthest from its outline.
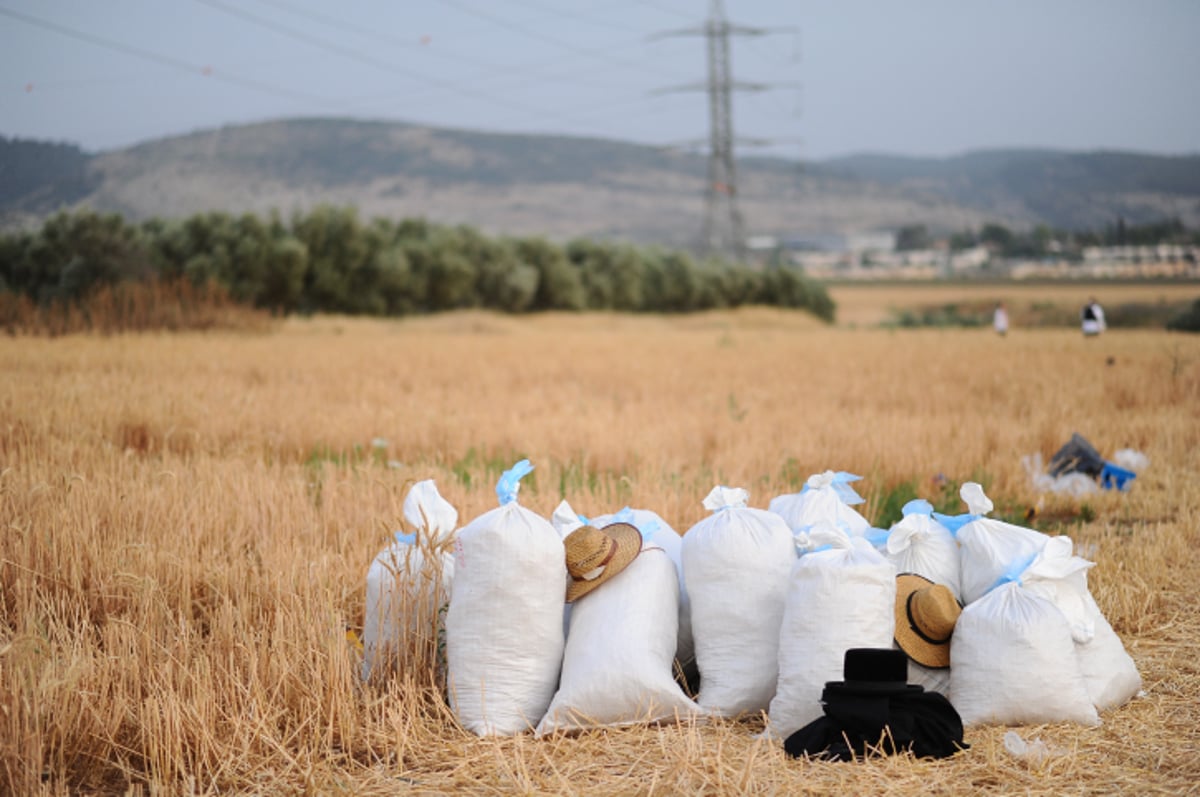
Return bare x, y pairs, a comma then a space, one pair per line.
355, 55
724, 227
160, 59
504, 23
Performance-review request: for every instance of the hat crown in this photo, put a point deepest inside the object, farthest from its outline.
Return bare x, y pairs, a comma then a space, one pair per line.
934, 612
874, 665
586, 549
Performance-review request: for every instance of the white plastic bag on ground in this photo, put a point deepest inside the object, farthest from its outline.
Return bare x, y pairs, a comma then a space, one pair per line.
989, 547
656, 531
504, 629
1013, 662
1131, 459
839, 598
1074, 484
919, 544
617, 668
1109, 672
826, 497
736, 564
409, 582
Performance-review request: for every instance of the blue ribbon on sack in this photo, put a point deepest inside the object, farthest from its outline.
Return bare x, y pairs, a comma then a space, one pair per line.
1014, 571
407, 539
647, 529
841, 486
955, 522
583, 519
876, 536
510, 482
917, 506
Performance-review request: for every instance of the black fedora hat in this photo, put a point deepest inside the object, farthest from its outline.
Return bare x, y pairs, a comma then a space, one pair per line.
872, 671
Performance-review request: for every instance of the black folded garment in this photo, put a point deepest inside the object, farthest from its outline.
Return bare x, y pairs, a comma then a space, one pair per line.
875, 711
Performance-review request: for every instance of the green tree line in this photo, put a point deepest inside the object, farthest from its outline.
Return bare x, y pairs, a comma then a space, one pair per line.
330, 260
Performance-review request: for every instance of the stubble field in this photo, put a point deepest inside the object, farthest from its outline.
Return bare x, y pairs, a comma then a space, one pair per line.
188, 520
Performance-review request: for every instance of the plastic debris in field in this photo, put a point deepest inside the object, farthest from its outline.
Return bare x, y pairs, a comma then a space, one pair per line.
1078, 469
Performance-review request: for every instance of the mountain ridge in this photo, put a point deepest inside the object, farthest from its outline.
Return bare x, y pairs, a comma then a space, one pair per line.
568, 186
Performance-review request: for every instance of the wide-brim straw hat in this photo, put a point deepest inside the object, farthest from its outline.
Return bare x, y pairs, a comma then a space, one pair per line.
925, 616
596, 555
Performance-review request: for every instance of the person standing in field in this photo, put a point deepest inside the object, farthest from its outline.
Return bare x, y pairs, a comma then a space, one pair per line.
1000, 319
1092, 318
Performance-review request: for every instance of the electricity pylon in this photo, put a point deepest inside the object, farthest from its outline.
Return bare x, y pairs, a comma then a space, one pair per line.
724, 230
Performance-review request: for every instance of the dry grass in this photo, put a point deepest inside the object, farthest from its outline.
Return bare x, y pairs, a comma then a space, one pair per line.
868, 304
188, 520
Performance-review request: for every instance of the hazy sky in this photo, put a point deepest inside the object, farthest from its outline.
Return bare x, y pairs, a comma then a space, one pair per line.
923, 77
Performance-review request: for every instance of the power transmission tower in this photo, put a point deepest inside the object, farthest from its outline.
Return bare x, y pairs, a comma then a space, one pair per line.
724, 230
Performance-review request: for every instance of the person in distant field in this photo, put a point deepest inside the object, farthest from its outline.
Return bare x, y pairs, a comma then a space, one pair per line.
1000, 319
1092, 318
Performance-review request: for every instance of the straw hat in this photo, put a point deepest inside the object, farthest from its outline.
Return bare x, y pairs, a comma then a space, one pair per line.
925, 616
594, 556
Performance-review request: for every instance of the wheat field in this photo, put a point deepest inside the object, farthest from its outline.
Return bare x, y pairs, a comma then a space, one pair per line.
188, 519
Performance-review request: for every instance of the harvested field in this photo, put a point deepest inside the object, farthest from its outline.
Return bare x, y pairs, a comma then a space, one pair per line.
872, 303
188, 519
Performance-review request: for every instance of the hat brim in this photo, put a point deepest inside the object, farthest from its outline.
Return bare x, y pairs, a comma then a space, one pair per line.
629, 545
871, 688
934, 655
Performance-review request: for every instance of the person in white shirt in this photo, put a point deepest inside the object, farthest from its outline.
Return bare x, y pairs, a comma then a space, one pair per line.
1092, 318
1000, 319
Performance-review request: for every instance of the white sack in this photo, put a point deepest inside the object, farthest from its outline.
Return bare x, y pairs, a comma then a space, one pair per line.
504, 629
840, 598
1013, 662
617, 668
565, 520
934, 679
409, 582
736, 564
1109, 673
988, 548
431, 515
657, 531
919, 544
826, 498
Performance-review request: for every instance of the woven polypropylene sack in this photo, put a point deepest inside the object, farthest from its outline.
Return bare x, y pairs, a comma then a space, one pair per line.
736, 564
658, 532
1013, 662
617, 668
837, 599
504, 628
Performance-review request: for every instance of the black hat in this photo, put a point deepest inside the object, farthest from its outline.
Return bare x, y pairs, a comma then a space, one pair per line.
872, 671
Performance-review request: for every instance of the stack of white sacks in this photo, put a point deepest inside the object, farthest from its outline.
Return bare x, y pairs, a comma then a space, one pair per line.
766, 602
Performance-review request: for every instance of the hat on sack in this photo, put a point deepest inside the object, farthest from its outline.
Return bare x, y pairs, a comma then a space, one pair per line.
871, 672
594, 555
925, 616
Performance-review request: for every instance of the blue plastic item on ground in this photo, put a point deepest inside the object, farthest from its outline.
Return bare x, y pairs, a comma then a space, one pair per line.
1114, 477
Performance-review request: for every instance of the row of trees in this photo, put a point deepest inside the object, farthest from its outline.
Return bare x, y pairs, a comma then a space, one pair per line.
330, 260
1043, 240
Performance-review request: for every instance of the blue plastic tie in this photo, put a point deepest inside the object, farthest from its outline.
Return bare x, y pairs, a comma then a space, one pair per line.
955, 522
841, 486
918, 506
510, 482
1014, 571
876, 536
407, 539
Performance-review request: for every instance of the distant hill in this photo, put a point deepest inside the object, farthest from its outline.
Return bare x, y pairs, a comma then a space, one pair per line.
564, 187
